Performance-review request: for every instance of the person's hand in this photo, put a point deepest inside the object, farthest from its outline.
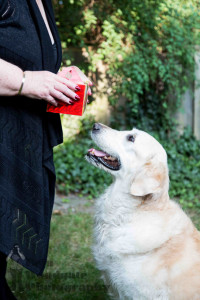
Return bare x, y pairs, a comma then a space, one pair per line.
50, 87
83, 76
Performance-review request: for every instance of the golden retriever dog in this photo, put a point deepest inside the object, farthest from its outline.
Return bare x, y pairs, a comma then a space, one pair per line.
144, 244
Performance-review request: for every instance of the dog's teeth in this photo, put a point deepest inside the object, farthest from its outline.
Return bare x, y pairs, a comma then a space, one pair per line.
113, 158
109, 158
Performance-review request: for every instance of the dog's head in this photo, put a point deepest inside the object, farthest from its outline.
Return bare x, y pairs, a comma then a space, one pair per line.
133, 156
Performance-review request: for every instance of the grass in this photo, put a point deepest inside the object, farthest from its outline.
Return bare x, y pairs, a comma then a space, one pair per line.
70, 272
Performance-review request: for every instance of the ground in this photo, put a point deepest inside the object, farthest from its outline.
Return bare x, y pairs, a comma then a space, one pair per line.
63, 204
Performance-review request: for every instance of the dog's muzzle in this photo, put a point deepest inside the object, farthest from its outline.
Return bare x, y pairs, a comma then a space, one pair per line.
101, 157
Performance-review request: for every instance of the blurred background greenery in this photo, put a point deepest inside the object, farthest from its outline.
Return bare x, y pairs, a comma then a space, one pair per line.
140, 56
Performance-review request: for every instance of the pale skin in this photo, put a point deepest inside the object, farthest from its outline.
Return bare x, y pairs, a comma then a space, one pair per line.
43, 85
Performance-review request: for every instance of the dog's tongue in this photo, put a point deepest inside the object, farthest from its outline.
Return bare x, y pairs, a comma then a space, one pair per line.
97, 152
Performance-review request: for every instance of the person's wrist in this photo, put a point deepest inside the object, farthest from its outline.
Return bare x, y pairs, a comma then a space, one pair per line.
22, 83
15, 82
26, 88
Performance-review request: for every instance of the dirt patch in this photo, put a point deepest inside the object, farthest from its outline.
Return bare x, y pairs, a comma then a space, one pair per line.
72, 203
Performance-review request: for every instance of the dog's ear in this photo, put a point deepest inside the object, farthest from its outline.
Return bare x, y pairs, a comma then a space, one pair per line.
149, 180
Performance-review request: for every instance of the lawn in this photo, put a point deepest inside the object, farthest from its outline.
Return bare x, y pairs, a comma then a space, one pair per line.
70, 272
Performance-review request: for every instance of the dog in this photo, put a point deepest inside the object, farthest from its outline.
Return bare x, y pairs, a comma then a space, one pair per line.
145, 246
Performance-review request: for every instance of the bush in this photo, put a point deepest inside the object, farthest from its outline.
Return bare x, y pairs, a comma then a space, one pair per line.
148, 49
184, 169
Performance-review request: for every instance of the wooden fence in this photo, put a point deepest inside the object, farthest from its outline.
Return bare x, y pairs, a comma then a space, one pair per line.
190, 110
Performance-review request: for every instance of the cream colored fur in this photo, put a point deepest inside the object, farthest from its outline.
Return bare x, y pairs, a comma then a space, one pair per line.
144, 244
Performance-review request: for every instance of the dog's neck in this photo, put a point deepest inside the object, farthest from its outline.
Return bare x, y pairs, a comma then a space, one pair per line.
117, 206
155, 201
149, 201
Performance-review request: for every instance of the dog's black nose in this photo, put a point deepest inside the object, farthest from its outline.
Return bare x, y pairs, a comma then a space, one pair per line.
96, 127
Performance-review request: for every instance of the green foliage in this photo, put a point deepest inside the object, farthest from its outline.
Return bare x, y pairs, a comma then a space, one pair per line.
184, 169
148, 47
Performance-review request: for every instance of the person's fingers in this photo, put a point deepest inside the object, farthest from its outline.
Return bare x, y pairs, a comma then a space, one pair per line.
85, 78
60, 96
89, 92
90, 82
52, 101
71, 85
66, 91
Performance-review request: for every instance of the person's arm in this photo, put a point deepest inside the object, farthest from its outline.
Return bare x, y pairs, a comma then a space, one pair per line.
38, 84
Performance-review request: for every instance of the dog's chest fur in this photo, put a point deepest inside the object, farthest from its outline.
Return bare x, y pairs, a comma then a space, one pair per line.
122, 248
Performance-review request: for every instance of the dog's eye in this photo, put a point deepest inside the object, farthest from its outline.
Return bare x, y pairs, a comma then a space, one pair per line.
131, 138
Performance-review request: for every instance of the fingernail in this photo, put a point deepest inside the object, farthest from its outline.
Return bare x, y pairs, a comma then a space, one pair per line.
77, 97
77, 88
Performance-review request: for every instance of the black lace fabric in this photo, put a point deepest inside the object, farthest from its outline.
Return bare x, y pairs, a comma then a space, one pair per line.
27, 183
27, 137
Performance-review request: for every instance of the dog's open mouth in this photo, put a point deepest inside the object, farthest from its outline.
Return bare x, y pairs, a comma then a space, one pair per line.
104, 158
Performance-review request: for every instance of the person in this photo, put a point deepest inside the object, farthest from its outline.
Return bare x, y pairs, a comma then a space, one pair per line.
30, 58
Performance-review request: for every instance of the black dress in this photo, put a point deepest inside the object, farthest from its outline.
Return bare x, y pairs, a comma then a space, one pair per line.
27, 137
